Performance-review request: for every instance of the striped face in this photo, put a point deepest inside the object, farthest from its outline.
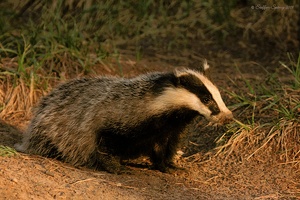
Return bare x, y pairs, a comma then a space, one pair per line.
210, 103
197, 92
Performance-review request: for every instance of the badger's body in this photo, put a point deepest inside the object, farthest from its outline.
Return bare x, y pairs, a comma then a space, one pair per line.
97, 122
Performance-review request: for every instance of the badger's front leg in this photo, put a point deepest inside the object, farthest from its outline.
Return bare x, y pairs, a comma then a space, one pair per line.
163, 154
158, 157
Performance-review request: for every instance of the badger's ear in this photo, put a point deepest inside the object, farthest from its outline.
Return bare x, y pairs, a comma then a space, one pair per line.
179, 71
206, 69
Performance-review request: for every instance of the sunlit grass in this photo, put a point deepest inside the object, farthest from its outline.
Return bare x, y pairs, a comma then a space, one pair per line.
7, 151
280, 130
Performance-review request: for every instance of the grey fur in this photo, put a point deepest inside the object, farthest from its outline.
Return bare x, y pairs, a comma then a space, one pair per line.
97, 122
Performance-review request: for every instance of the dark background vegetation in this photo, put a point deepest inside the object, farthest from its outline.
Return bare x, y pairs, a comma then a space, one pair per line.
224, 31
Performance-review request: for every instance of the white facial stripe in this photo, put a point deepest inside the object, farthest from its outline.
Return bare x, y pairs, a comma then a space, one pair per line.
178, 97
214, 92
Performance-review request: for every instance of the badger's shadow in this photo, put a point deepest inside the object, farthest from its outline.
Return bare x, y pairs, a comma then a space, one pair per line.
9, 135
137, 163
200, 138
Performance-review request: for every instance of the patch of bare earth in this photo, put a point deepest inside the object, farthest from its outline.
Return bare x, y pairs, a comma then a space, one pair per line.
206, 176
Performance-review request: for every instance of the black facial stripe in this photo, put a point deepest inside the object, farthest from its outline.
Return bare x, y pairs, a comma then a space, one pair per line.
213, 107
161, 82
195, 86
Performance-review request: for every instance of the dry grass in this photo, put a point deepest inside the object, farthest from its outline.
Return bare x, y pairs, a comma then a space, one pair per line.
272, 129
268, 141
17, 97
15, 101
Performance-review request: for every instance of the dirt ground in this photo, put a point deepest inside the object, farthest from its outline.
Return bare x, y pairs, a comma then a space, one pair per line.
205, 177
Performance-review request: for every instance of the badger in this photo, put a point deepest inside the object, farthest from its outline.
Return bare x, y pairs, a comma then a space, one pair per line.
99, 122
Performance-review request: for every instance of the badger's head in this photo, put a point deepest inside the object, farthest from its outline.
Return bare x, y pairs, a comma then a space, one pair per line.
195, 91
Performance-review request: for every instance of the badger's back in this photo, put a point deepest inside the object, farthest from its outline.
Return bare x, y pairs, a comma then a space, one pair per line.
73, 114
123, 117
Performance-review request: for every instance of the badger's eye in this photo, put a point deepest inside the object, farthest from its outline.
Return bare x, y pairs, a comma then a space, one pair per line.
206, 99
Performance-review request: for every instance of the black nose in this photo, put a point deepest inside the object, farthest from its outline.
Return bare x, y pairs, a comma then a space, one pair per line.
227, 118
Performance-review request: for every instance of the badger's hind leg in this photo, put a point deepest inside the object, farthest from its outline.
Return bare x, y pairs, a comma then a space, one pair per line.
100, 160
171, 150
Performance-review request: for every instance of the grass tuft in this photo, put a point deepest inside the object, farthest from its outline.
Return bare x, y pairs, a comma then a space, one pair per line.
7, 151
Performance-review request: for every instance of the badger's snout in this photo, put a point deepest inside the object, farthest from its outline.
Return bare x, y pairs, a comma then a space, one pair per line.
226, 117
222, 118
